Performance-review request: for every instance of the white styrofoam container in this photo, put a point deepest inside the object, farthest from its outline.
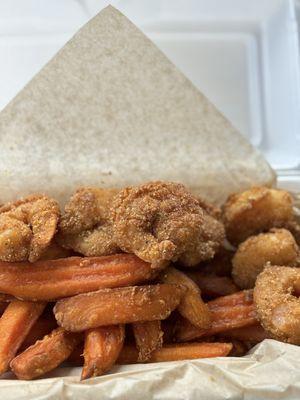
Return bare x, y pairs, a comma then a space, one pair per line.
242, 54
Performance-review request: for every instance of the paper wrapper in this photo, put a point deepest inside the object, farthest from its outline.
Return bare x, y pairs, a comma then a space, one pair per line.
110, 109
270, 371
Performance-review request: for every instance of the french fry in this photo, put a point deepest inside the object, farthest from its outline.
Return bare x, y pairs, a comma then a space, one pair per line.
43, 326
239, 348
45, 354
253, 334
213, 285
168, 327
117, 306
76, 357
148, 337
243, 298
227, 312
102, 347
54, 279
15, 323
191, 307
176, 352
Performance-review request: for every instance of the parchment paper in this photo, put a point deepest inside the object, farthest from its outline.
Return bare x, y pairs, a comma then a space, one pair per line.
270, 371
110, 109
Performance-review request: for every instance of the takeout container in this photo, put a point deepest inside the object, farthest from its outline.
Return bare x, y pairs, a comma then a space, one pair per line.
232, 54
242, 55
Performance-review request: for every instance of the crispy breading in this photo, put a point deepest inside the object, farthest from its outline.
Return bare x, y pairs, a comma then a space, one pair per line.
162, 222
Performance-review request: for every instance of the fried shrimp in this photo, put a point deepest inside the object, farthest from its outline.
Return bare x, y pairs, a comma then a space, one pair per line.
86, 227
162, 222
27, 228
277, 247
254, 211
277, 308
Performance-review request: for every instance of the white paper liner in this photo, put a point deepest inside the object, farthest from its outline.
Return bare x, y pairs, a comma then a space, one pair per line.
270, 371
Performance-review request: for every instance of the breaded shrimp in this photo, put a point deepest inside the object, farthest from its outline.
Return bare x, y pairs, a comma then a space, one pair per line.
27, 227
256, 210
162, 222
277, 308
86, 227
277, 247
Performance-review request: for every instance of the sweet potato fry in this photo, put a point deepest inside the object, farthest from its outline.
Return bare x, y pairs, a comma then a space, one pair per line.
253, 334
15, 323
242, 298
191, 307
102, 347
76, 357
117, 306
45, 354
239, 349
222, 320
176, 352
42, 327
54, 279
213, 285
227, 312
148, 337
168, 327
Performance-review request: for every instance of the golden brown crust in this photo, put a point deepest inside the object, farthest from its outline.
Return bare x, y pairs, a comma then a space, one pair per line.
162, 222
255, 210
277, 308
277, 247
86, 226
27, 227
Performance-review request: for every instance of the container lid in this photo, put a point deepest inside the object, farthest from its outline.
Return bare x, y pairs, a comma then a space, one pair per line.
243, 56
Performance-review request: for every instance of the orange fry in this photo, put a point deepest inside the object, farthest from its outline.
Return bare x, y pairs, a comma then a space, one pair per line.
176, 352
239, 348
45, 354
54, 279
253, 334
213, 285
243, 298
102, 347
191, 306
15, 323
76, 357
117, 306
228, 312
148, 337
42, 327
